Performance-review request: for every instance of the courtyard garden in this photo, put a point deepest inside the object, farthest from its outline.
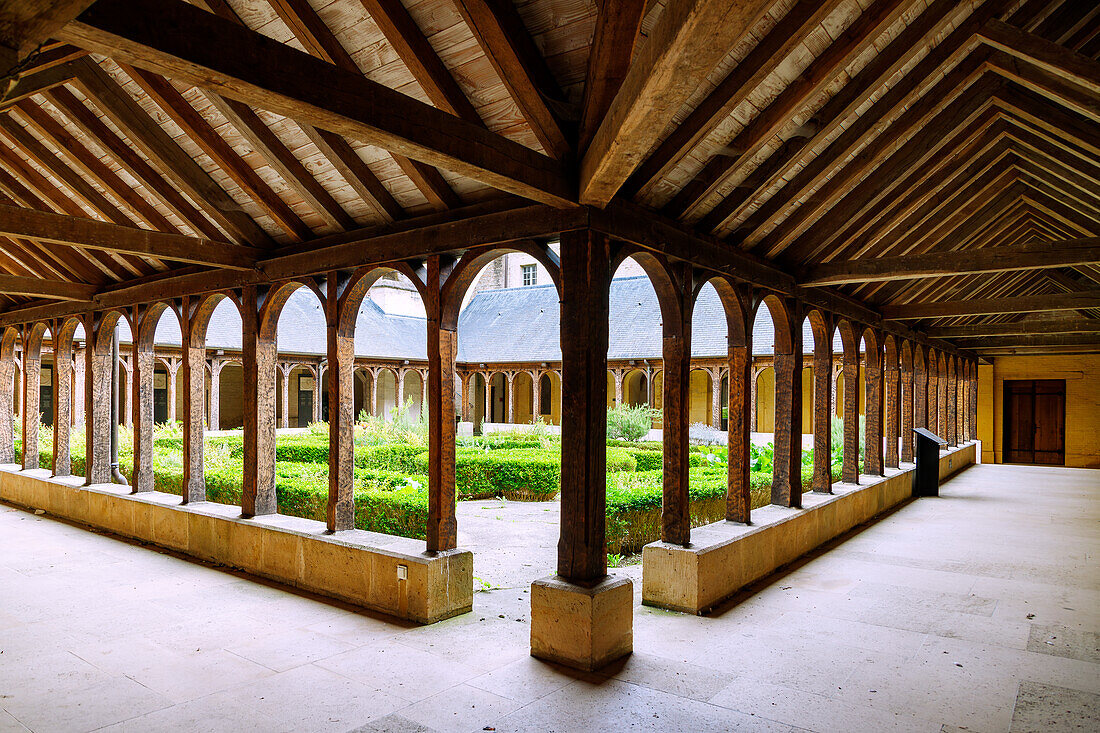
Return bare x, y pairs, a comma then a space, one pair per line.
391, 465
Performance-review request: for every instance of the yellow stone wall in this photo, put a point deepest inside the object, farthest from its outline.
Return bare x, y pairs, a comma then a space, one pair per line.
1082, 375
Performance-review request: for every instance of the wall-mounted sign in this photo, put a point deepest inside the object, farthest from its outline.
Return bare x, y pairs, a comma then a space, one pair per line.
160, 380
305, 384
47, 377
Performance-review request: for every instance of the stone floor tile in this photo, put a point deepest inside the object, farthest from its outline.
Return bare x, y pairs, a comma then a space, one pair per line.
9, 724
459, 709
400, 670
282, 651
659, 673
1042, 708
525, 679
210, 714
393, 723
87, 708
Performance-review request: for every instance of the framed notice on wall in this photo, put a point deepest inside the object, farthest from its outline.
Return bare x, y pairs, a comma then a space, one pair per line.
305, 384
160, 380
47, 377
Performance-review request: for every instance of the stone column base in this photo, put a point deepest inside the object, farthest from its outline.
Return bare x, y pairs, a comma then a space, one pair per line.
582, 626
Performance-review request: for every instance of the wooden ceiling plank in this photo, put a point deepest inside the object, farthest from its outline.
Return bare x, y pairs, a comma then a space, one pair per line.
1035, 340
42, 226
37, 83
89, 124
171, 160
1032, 256
742, 80
1018, 328
40, 288
974, 307
280, 79
509, 48
690, 38
195, 126
1056, 59
25, 25
358, 175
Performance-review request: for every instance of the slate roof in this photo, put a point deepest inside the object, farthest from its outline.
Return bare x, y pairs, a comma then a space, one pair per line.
507, 325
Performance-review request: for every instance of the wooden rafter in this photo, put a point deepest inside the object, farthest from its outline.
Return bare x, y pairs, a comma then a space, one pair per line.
990, 306
40, 288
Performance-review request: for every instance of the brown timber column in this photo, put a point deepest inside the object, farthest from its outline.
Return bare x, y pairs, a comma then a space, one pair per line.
146, 319
585, 257
465, 397
738, 500
715, 398
951, 403
873, 405
787, 459
193, 369
258, 360
513, 408
892, 404
920, 388
907, 402
676, 357
61, 333
442, 533
340, 333
536, 396
97, 397
283, 375
173, 367
80, 361
823, 407
850, 466
962, 403
942, 393
32, 392
974, 399
213, 412
7, 396
933, 392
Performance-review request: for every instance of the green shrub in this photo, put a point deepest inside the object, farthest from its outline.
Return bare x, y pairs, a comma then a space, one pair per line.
628, 422
620, 459
646, 459
391, 457
518, 475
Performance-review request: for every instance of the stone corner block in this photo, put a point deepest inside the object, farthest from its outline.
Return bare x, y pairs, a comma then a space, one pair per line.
582, 626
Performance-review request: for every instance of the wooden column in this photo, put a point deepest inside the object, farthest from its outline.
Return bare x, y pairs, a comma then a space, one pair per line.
401, 389
317, 391
536, 395
126, 409
585, 260
891, 413
754, 373
920, 388
907, 403
146, 319
97, 397
512, 407
715, 398
487, 412
787, 457
340, 346
676, 358
258, 355
850, 465
961, 403
213, 412
872, 377
193, 369
80, 361
32, 393
738, 499
933, 392
941, 396
951, 402
823, 412
973, 399
61, 333
172, 365
7, 396
466, 397
283, 375
442, 531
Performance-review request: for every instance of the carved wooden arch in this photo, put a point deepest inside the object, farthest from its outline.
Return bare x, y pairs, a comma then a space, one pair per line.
352, 290
202, 310
7, 343
919, 359
907, 355
849, 338
149, 319
890, 352
736, 300
274, 299
661, 276
822, 327
872, 341
102, 324
467, 268
782, 323
163, 360
33, 338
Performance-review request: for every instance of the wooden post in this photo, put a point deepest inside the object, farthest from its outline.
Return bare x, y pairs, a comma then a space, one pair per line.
7, 396
400, 388
738, 499
961, 402
97, 396
752, 397
173, 367
536, 395
907, 401
80, 360
676, 358
146, 320
892, 407
932, 391
973, 399
823, 412
873, 406
213, 412
514, 410
850, 465
340, 333
32, 392
465, 396
283, 375
951, 403
787, 455
920, 388
258, 359
715, 398
318, 378
442, 531
585, 260
194, 397
61, 332
942, 393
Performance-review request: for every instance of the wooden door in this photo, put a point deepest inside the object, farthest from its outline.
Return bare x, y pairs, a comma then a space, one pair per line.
1035, 421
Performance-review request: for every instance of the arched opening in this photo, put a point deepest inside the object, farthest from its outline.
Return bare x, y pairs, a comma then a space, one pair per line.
523, 390
412, 395
612, 399
700, 395
765, 403
636, 388
498, 401
550, 398
385, 394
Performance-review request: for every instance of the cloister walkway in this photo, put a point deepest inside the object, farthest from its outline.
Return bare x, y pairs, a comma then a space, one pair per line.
976, 610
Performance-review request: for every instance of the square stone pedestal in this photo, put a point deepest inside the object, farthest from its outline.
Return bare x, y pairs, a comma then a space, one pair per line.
582, 626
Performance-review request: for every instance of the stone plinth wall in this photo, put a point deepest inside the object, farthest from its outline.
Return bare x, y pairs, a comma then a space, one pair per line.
725, 556
362, 568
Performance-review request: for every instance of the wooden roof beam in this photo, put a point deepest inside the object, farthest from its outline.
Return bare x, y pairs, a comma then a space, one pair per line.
241, 64
992, 306
36, 83
1033, 256
1017, 328
691, 37
74, 231
39, 288
1035, 340
1056, 59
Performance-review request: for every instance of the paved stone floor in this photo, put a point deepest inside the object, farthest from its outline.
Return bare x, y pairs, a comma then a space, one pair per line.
978, 611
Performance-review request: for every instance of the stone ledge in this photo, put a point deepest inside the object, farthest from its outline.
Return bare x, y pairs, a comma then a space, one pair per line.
355, 566
726, 556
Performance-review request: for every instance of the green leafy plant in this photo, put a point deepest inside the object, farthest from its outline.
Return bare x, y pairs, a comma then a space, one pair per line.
629, 422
